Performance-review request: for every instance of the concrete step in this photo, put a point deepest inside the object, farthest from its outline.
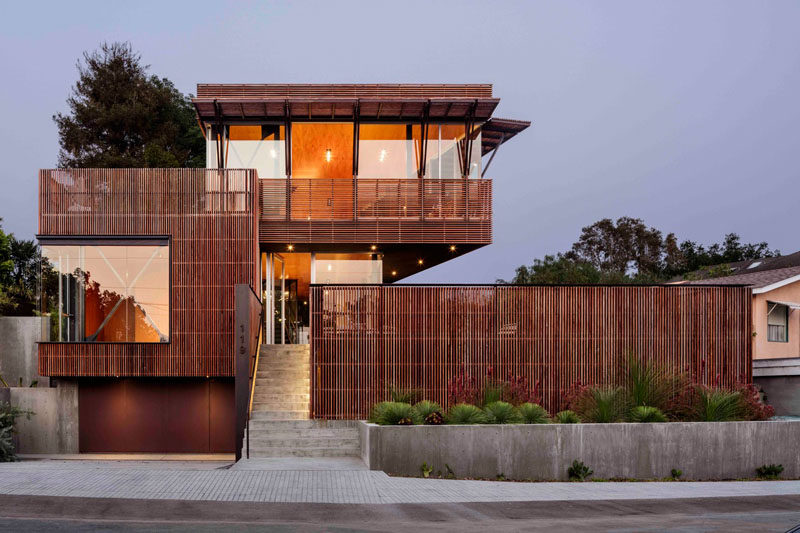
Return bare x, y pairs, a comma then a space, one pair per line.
259, 452
259, 430
303, 442
266, 396
274, 381
299, 364
286, 375
280, 406
280, 415
258, 416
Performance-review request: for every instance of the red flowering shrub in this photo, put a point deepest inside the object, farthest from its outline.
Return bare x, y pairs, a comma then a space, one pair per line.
752, 406
462, 389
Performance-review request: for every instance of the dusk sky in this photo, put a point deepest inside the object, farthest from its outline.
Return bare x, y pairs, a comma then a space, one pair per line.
685, 114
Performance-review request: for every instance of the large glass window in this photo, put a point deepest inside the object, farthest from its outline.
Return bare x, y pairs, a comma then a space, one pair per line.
445, 157
261, 147
322, 150
108, 292
388, 150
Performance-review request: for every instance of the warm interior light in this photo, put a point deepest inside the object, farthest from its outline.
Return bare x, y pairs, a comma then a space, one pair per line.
273, 153
394, 272
373, 247
452, 247
419, 261
290, 247
382, 156
330, 267
328, 155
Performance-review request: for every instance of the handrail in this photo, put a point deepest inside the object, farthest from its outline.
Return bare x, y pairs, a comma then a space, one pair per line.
253, 377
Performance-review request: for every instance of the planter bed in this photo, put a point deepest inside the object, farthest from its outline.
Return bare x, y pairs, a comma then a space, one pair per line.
701, 450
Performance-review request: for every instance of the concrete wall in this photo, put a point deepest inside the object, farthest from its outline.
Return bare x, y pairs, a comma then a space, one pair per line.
18, 351
54, 426
762, 348
702, 450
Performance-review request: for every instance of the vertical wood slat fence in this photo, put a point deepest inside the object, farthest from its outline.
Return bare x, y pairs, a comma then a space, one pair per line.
211, 217
367, 338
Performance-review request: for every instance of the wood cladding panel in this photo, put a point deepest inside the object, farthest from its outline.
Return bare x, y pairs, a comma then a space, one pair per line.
357, 90
211, 217
447, 211
366, 338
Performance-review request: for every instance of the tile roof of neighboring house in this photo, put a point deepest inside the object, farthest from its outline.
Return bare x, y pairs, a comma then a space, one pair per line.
756, 279
751, 265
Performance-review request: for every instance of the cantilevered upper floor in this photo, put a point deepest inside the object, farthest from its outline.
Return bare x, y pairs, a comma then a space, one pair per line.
359, 164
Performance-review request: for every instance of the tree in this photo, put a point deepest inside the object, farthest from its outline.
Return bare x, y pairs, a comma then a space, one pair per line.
628, 251
122, 117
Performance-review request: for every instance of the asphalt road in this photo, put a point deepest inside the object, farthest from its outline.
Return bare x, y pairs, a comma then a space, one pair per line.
44, 513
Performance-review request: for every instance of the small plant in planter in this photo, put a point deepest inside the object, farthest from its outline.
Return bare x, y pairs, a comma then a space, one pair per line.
464, 413
771, 471
675, 473
579, 471
566, 417
426, 470
533, 413
430, 413
646, 414
395, 414
501, 413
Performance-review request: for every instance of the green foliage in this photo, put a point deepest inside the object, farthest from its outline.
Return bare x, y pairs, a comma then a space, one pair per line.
599, 404
715, 405
492, 392
399, 395
20, 264
450, 473
533, 413
501, 413
120, 116
645, 413
426, 470
429, 412
649, 384
628, 251
771, 471
8, 418
675, 473
395, 414
579, 471
566, 417
464, 413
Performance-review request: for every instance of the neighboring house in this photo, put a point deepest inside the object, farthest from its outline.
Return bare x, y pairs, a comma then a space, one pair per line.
776, 327
319, 198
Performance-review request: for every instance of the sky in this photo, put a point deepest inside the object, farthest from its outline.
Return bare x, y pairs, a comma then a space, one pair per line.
682, 113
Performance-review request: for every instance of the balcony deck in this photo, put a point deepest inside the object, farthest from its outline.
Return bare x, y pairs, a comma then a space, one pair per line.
396, 211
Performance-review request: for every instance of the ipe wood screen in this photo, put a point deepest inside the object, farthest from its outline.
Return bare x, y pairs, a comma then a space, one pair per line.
365, 339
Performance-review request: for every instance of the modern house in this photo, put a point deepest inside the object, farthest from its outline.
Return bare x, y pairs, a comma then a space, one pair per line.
775, 284
260, 291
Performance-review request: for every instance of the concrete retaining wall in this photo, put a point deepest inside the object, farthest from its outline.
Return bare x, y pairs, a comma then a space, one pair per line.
18, 351
702, 450
54, 426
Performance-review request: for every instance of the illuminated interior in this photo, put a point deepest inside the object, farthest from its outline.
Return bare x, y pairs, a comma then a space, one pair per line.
322, 150
111, 293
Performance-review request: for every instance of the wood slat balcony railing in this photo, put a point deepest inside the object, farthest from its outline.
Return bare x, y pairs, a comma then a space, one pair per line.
381, 210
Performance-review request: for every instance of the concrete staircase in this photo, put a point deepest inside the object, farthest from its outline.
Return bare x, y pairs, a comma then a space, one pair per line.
279, 422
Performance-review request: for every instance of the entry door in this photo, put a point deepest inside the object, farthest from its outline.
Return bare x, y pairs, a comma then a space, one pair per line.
274, 298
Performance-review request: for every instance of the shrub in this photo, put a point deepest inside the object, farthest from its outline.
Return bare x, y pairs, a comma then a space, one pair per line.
566, 417
675, 473
771, 471
532, 413
579, 471
599, 404
426, 470
430, 413
645, 414
713, 404
649, 384
750, 403
502, 413
6, 445
517, 391
464, 413
399, 395
462, 389
492, 393
396, 414
8, 418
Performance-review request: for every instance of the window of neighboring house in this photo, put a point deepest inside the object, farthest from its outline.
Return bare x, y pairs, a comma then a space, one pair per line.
777, 322
107, 291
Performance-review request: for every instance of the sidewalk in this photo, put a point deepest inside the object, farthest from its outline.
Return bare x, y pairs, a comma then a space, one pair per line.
350, 484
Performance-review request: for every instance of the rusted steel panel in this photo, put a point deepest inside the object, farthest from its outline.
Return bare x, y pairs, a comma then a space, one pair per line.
211, 217
448, 211
366, 338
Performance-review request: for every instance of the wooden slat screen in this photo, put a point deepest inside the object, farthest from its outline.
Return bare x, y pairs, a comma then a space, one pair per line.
211, 217
366, 338
376, 210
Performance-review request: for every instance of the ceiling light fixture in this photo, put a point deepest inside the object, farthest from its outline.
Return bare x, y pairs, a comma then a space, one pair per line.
328, 155
382, 156
452, 247
373, 247
394, 272
290, 247
419, 261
